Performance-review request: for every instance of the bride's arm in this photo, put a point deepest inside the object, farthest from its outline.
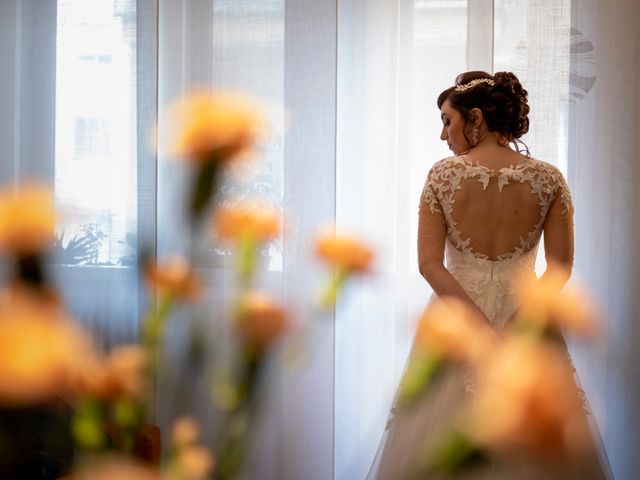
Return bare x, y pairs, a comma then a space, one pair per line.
431, 242
558, 237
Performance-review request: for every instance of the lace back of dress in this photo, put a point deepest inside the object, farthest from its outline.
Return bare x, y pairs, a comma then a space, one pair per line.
495, 214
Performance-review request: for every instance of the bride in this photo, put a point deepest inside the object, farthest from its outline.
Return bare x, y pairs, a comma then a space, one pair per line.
485, 208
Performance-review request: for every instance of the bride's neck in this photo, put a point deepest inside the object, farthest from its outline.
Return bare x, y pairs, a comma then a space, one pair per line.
491, 150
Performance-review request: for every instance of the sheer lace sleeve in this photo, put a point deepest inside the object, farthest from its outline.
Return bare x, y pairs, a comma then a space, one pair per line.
432, 230
429, 196
558, 225
562, 193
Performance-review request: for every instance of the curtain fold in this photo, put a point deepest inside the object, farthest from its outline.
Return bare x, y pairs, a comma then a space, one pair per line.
27, 89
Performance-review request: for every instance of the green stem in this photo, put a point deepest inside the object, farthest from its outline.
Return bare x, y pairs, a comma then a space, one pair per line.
153, 327
330, 294
246, 260
235, 434
232, 452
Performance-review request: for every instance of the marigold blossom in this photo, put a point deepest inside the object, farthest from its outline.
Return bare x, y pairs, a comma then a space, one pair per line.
185, 431
116, 375
38, 356
449, 329
527, 401
27, 219
246, 220
214, 126
344, 251
260, 320
113, 467
174, 277
125, 369
195, 463
551, 301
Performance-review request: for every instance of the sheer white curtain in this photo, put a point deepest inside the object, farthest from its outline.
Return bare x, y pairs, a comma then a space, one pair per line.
27, 89
283, 54
604, 172
388, 131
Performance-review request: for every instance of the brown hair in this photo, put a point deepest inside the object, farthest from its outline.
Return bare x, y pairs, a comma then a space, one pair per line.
503, 105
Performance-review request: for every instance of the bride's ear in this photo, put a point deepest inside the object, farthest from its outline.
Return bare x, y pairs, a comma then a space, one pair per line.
476, 116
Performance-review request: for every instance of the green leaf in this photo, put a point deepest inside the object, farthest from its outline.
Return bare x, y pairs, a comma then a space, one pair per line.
456, 451
127, 413
419, 374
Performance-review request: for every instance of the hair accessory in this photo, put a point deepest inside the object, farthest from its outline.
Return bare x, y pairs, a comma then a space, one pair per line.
473, 83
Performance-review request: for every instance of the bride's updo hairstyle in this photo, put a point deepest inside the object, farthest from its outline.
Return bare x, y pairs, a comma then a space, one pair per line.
500, 97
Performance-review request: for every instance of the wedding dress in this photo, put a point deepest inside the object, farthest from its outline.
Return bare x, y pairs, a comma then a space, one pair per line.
475, 201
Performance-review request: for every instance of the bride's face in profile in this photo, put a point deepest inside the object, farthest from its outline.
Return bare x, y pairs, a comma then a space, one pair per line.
453, 125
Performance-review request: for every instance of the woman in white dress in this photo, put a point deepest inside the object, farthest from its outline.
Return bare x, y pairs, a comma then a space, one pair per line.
485, 209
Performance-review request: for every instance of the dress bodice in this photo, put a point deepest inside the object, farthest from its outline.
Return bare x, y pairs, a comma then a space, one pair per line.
482, 208
491, 283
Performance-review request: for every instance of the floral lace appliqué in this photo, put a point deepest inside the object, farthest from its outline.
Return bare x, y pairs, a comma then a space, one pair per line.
445, 178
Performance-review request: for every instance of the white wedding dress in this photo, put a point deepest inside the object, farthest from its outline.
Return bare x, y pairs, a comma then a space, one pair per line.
474, 201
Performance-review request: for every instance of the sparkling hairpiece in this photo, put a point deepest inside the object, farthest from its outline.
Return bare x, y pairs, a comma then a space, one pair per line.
473, 83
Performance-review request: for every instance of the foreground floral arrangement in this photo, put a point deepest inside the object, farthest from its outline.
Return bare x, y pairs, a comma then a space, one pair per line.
525, 402
95, 403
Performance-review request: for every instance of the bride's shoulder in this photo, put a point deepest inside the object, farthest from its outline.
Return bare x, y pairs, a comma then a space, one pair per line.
543, 166
551, 176
447, 163
546, 169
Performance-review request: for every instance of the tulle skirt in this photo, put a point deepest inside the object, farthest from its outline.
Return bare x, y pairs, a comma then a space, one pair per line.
414, 431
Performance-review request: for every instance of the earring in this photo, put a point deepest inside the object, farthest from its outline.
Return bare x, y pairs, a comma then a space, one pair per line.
474, 136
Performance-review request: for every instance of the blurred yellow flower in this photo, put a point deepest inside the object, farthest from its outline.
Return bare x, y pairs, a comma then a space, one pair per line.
173, 277
527, 402
214, 126
185, 432
38, 356
550, 301
246, 221
195, 463
260, 320
27, 219
450, 330
344, 251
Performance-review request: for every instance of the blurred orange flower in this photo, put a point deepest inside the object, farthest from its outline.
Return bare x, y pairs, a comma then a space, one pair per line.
214, 126
112, 467
527, 401
174, 277
195, 463
39, 353
549, 301
344, 251
27, 219
260, 320
247, 220
449, 329
185, 432
119, 374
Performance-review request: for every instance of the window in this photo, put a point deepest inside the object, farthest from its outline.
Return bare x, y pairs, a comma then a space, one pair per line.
96, 136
